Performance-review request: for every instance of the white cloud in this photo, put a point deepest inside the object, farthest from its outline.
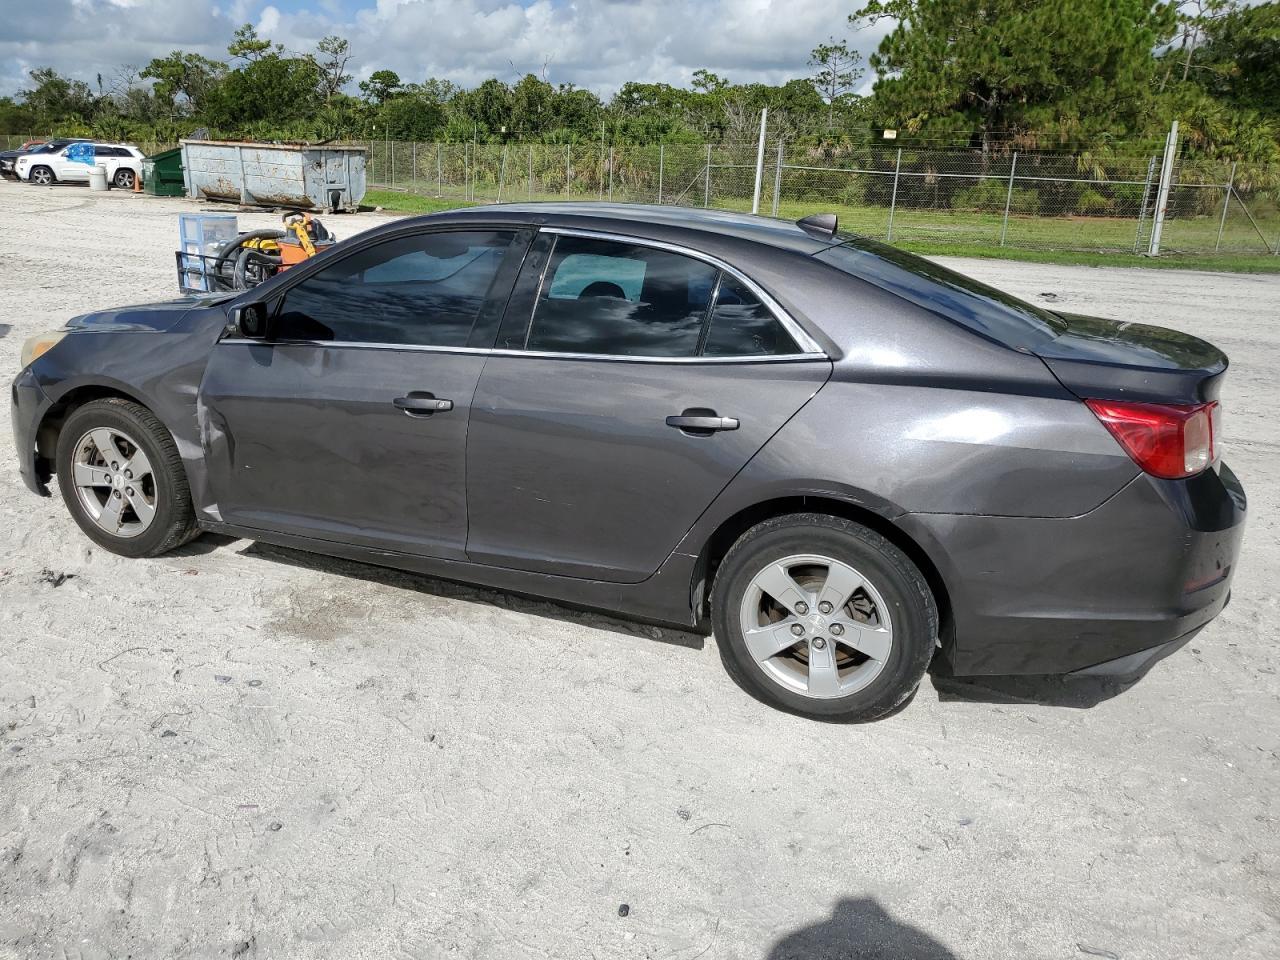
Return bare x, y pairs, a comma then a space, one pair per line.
593, 43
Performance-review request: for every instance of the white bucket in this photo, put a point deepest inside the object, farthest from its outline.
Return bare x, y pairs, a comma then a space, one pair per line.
98, 178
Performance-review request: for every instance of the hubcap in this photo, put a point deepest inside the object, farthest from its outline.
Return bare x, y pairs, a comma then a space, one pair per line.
41, 177
114, 482
816, 626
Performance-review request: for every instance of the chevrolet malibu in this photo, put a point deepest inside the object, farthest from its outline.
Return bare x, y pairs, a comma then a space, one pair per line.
845, 461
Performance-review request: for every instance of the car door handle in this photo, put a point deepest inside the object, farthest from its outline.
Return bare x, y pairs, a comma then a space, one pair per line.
702, 424
420, 403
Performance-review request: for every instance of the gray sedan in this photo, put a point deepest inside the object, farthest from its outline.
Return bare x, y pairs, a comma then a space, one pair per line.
847, 462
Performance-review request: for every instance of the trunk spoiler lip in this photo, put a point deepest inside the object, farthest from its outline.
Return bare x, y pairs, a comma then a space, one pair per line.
1111, 360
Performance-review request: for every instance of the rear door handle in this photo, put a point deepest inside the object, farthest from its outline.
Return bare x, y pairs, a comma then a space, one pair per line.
702, 423
420, 403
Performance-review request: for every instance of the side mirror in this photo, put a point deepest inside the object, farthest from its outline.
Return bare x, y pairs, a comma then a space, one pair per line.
250, 320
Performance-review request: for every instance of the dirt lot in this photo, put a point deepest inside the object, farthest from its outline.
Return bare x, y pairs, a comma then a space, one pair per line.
240, 751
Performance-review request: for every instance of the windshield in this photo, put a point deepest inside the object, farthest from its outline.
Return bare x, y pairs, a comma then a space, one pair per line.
993, 313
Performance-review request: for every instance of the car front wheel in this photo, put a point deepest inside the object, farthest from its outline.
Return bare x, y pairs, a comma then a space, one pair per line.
122, 479
823, 617
42, 176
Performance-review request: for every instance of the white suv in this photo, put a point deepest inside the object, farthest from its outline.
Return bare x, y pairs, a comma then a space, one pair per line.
73, 162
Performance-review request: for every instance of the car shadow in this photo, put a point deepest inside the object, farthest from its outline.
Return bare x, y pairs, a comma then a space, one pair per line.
859, 929
1047, 691
407, 580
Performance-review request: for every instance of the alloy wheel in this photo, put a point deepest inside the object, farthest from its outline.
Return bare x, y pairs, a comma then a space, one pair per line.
41, 176
114, 482
816, 626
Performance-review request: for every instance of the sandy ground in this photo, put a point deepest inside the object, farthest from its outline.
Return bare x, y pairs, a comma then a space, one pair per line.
240, 751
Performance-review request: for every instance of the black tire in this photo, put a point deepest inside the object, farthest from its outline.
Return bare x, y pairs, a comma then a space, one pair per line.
174, 522
910, 602
123, 178
41, 176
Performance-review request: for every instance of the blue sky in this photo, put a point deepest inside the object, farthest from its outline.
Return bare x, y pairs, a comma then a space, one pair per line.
593, 43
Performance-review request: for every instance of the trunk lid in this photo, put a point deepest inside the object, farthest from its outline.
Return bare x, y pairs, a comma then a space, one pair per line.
1111, 360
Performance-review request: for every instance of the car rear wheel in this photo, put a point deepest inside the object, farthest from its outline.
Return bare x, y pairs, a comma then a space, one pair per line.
823, 617
43, 176
124, 179
122, 479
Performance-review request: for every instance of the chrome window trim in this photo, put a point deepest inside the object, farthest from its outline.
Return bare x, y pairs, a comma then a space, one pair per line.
805, 342
537, 354
809, 348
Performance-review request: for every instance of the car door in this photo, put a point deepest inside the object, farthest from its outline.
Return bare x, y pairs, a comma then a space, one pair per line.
75, 162
351, 423
631, 382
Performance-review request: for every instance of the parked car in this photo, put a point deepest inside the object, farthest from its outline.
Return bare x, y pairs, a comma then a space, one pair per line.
8, 157
846, 460
122, 162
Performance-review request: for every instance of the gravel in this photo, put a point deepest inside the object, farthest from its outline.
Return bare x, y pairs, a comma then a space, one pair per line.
238, 750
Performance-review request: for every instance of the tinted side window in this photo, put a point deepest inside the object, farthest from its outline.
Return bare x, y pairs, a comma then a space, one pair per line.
605, 297
425, 290
742, 326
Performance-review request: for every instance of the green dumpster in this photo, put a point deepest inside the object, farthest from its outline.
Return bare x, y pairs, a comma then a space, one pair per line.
162, 174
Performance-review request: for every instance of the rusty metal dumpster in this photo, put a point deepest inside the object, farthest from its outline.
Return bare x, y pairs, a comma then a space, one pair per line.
306, 176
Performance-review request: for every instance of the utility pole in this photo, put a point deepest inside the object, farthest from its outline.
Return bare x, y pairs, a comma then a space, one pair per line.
755, 199
1162, 198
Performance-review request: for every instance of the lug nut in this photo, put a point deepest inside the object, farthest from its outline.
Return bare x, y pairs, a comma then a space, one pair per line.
128, 474
824, 607
116, 494
797, 629
114, 465
802, 608
129, 491
819, 643
837, 630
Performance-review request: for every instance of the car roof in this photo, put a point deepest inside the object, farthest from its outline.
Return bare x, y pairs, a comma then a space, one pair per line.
644, 220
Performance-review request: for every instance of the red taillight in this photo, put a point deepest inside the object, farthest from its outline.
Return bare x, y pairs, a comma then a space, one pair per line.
1166, 440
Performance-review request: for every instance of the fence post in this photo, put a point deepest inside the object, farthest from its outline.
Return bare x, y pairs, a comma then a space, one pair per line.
502, 173
466, 171
777, 180
439, 171
611, 174
1226, 199
706, 190
531, 171
893, 198
567, 170
1166, 181
755, 196
1008, 198
662, 159
415, 165
392, 150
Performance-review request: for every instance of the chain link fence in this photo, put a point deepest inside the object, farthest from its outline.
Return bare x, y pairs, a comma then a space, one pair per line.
934, 197
1039, 201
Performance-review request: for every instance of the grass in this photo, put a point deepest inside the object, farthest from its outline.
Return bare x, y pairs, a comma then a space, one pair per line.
1090, 241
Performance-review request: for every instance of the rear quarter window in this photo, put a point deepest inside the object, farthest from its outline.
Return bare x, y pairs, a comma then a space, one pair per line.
992, 313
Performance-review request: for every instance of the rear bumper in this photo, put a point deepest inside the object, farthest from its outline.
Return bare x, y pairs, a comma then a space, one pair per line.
28, 407
1111, 592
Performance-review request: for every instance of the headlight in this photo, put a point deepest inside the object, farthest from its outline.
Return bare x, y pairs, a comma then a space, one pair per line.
40, 344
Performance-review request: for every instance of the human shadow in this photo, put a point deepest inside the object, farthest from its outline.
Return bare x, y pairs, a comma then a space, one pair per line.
859, 929
436, 587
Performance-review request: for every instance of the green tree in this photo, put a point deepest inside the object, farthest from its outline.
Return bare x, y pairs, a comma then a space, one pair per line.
704, 81
54, 99
381, 86
1240, 57
837, 71
331, 58
1078, 69
186, 75
248, 46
